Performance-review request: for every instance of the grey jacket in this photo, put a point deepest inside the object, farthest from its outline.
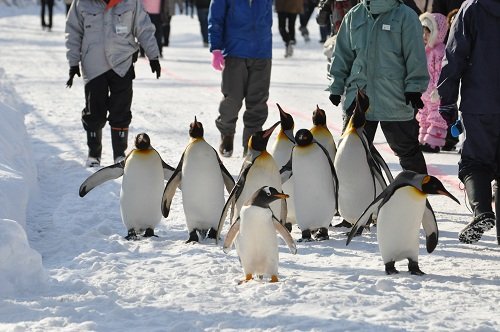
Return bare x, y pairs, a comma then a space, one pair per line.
103, 39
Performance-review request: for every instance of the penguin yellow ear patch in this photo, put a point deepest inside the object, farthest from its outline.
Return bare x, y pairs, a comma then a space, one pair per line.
426, 179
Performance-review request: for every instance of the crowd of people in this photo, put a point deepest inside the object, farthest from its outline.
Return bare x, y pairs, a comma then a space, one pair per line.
416, 60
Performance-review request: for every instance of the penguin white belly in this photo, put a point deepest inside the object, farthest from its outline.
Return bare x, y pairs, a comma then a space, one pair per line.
264, 172
313, 188
142, 188
281, 152
325, 138
398, 225
288, 188
202, 187
257, 244
355, 190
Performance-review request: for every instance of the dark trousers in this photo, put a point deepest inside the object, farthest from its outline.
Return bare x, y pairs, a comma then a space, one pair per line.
247, 79
203, 19
308, 10
108, 93
50, 5
156, 20
286, 26
166, 30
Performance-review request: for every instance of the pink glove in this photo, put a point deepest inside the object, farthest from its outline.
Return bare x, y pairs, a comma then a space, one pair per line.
217, 60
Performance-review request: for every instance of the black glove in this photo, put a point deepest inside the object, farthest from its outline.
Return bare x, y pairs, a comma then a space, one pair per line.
155, 67
335, 99
414, 99
73, 70
449, 113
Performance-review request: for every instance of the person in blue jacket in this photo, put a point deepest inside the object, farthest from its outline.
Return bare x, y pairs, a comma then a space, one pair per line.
240, 38
470, 66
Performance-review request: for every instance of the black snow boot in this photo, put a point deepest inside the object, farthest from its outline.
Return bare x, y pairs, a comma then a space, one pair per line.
119, 141
94, 142
226, 145
478, 188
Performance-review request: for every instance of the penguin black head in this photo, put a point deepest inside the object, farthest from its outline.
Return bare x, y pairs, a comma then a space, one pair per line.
303, 137
287, 122
265, 196
319, 117
432, 185
196, 129
258, 141
362, 103
142, 141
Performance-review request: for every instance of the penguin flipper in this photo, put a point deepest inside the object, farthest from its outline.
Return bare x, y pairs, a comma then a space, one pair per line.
167, 170
226, 176
375, 169
382, 164
229, 203
104, 174
231, 236
284, 211
170, 188
334, 175
285, 234
366, 216
430, 228
286, 171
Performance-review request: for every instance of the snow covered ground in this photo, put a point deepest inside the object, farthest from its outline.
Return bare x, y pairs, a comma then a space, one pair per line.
73, 271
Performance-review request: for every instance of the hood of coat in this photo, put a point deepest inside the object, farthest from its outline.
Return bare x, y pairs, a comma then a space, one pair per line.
437, 24
380, 6
491, 6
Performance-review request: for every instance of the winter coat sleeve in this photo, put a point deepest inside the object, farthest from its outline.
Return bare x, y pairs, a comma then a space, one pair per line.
343, 58
454, 63
216, 19
144, 31
417, 75
73, 36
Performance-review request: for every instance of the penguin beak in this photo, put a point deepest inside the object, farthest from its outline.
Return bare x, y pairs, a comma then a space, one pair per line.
283, 114
281, 195
196, 123
447, 193
269, 131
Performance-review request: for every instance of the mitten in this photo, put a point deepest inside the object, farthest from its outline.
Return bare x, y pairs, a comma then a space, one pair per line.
155, 67
449, 113
414, 99
335, 99
217, 60
73, 70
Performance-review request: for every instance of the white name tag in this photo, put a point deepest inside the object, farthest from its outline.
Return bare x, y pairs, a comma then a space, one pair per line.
121, 30
386, 27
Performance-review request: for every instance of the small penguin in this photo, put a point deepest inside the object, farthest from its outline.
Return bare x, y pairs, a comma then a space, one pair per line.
315, 186
358, 165
402, 207
321, 132
281, 151
256, 229
258, 169
202, 177
143, 173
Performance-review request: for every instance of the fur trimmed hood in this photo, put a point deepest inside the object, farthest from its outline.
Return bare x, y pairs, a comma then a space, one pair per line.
437, 24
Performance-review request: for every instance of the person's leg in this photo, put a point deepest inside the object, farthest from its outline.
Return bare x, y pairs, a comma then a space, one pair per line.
166, 31
257, 94
50, 8
156, 20
120, 114
282, 17
203, 19
234, 83
94, 115
291, 27
42, 14
402, 137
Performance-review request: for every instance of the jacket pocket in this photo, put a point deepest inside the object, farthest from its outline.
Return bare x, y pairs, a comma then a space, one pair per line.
123, 17
92, 20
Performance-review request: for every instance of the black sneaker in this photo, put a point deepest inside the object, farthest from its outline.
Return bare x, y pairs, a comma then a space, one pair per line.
427, 148
473, 231
226, 145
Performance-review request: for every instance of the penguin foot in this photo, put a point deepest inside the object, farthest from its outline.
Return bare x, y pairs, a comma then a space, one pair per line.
274, 278
306, 236
150, 233
248, 277
390, 269
473, 231
193, 237
288, 225
322, 234
212, 234
131, 235
344, 223
414, 269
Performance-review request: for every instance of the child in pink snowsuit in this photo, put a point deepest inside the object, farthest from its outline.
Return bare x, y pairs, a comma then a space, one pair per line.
432, 126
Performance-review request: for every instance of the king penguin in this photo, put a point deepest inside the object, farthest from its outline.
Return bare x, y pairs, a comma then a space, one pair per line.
315, 186
321, 132
402, 207
258, 169
143, 173
202, 177
256, 230
281, 151
359, 167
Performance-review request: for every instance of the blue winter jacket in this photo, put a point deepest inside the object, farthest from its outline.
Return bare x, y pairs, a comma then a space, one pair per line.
241, 28
472, 57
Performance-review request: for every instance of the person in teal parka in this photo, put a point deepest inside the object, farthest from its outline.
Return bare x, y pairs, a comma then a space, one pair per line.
380, 49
